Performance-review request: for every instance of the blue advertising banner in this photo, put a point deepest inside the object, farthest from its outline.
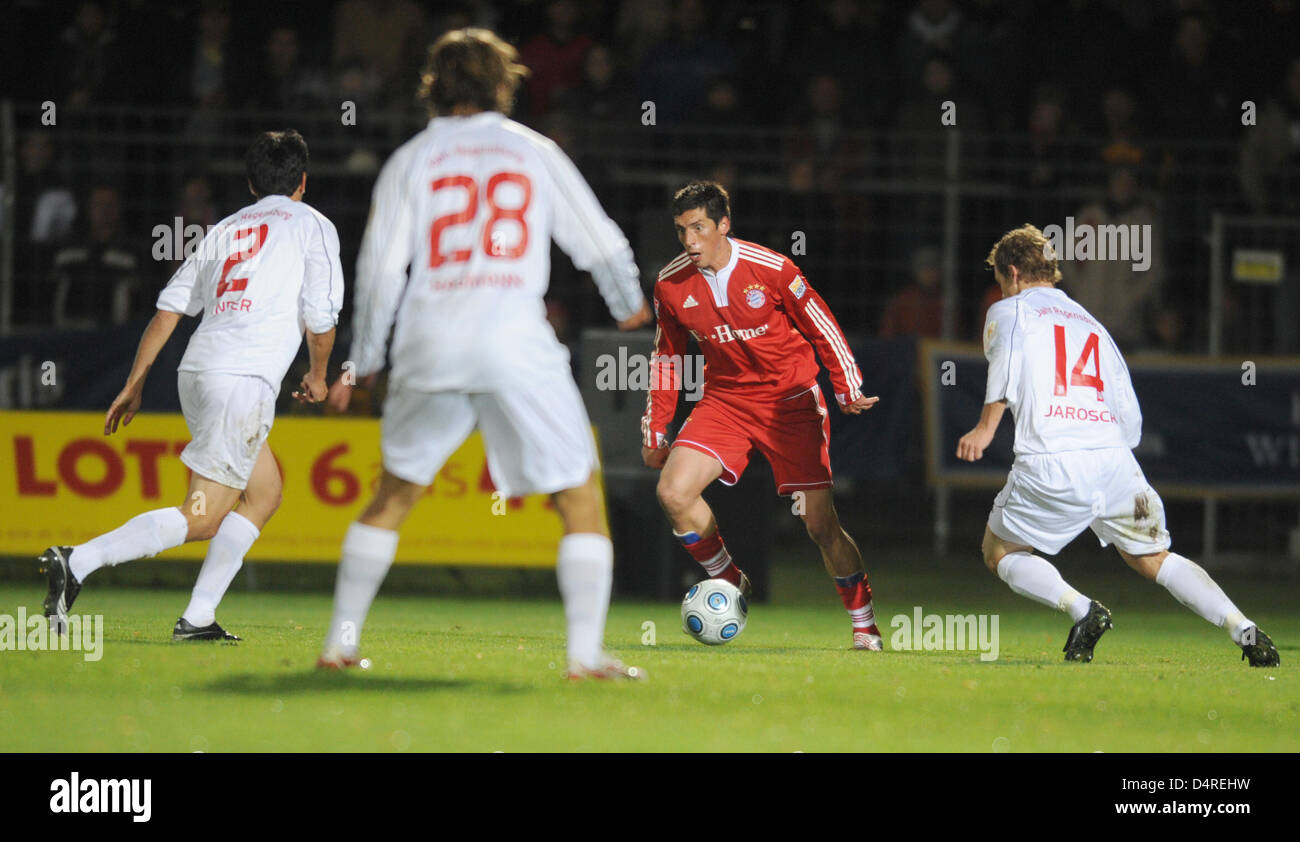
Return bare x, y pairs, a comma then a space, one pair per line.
1209, 426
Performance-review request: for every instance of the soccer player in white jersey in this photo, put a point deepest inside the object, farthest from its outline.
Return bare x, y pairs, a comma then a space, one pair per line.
261, 277
1077, 422
472, 203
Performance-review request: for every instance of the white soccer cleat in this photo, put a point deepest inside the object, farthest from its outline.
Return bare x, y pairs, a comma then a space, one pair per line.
871, 642
611, 669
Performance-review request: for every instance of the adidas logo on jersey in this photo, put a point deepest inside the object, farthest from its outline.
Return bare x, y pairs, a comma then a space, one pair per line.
690, 302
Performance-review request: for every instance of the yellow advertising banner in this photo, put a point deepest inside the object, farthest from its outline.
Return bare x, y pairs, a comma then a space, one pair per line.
63, 482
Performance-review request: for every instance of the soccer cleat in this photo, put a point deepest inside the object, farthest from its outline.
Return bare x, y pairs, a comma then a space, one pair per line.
1085, 634
867, 640
335, 660
185, 631
745, 586
63, 589
1261, 652
610, 669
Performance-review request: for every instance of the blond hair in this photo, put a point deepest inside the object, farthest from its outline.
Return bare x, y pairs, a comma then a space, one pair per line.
1027, 249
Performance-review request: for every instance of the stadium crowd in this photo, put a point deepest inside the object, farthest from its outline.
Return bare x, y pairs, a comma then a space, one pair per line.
1107, 110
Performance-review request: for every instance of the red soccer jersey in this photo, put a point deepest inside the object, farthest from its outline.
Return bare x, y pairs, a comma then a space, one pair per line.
756, 321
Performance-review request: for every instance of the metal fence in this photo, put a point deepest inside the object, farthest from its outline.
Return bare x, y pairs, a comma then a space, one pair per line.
852, 207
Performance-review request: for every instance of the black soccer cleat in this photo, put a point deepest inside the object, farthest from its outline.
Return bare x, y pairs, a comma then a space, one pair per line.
1260, 651
185, 631
64, 587
1085, 634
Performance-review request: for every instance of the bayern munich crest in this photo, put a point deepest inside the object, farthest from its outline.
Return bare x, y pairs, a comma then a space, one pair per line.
754, 297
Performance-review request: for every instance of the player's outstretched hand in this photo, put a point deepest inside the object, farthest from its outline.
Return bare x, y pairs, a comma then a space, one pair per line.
654, 457
859, 406
642, 317
972, 445
124, 408
312, 389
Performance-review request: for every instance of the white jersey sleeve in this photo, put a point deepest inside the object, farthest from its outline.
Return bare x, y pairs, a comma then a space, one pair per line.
386, 249
999, 334
182, 295
322, 283
590, 238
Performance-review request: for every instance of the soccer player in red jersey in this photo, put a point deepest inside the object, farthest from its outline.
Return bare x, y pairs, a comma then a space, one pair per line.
757, 322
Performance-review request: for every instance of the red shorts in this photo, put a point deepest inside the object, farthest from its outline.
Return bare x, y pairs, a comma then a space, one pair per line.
793, 434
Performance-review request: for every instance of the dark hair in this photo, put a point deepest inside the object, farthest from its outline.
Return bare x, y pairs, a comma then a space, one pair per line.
471, 67
276, 162
703, 194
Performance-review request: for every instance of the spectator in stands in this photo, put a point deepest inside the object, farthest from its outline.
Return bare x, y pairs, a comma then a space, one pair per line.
285, 82
1123, 298
1048, 159
679, 70
933, 27
1123, 145
44, 212
917, 309
847, 28
386, 36
1193, 91
83, 60
555, 56
640, 26
210, 66
823, 138
605, 93
1270, 154
96, 274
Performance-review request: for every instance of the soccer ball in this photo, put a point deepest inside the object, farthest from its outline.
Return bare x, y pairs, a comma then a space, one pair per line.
714, 612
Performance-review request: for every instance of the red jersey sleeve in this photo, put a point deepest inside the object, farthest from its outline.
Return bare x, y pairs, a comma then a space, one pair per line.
813, 318
665, 373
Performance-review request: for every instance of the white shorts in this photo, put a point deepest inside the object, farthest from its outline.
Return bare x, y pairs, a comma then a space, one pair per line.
229, 416
537, 437
1050, 498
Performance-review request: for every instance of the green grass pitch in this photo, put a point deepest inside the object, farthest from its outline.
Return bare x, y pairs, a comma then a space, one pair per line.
484, 674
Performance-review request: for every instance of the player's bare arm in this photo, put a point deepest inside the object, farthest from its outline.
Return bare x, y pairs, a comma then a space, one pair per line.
127, 402
972, 445
313, 388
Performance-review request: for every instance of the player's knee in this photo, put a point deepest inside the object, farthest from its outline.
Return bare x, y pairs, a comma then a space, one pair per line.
202, 527
992, 554
824, 530
672, 497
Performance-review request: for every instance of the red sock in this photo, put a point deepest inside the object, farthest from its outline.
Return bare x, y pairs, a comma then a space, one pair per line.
712, 555
855, 593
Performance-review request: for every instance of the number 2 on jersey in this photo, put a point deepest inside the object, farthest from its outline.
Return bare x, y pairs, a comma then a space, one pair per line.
237, 284
491, 247
1077, 377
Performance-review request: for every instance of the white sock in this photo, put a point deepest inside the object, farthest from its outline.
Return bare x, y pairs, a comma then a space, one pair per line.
1035, 577
140, 537
585, 571
368, 552
1193, 587
225, 555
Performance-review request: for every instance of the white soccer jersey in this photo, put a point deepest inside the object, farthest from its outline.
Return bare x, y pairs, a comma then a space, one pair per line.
471, 204
260, 277
1060, 373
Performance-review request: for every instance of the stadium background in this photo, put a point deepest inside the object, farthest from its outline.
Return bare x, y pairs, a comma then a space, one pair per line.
824, 121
